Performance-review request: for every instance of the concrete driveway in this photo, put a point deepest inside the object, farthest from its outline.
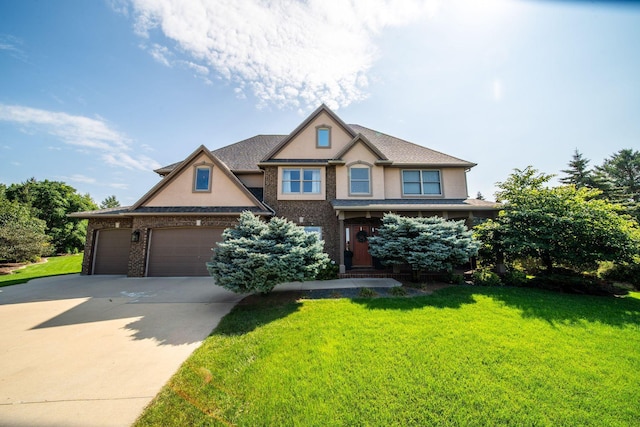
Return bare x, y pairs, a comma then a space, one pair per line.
94, 350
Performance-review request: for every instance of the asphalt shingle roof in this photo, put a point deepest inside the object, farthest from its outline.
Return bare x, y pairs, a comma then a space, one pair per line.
246, 154
401, 151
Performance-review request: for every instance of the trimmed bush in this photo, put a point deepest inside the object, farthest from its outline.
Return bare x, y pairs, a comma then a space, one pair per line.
515, 278
486, 278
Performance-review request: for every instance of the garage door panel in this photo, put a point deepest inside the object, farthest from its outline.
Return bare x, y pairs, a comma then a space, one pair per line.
111, 252
181, 251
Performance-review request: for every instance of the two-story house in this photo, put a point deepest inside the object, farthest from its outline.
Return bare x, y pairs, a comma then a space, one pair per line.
330, 177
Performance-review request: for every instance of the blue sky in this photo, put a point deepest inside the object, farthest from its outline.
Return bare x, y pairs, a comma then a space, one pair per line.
99, 93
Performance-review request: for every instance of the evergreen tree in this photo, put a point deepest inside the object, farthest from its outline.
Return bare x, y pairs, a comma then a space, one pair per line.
620, 176
110, 202
256, 256
578, 172
427, 244
479, 196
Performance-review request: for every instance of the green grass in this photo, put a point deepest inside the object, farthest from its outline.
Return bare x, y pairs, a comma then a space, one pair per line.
54, 266
465, 356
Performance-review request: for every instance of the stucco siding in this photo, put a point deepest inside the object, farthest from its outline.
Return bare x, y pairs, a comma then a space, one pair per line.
179, 192
303, 146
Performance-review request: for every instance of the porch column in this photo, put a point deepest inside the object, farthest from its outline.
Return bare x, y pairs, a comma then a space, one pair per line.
343, 269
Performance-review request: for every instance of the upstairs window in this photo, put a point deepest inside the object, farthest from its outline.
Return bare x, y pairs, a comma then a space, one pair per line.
421, 183
359, 180
202, 179
301, 181
323, 137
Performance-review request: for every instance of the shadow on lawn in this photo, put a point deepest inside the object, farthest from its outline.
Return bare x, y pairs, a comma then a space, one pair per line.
451, 297
557, 308
258, 310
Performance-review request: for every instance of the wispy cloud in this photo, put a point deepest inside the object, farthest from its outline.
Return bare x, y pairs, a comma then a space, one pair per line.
87, 134
287, 53
13, 46
79, 178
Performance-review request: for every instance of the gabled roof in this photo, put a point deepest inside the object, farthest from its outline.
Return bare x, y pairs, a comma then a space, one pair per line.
246, 155
403, 152
184, 164
359, 138
322, 109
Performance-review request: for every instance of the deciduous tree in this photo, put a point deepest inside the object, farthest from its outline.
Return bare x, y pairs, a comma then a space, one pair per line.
561, 226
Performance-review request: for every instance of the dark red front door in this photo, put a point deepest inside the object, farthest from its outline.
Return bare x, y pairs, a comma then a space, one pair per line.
360, 245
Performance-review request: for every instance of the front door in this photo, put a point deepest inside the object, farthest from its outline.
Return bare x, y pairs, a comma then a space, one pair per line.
360, 245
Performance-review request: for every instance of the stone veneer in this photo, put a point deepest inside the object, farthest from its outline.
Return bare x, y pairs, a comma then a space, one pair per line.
138, 250
315, 212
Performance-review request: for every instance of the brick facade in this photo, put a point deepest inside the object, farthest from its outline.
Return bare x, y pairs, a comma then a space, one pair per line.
314, 212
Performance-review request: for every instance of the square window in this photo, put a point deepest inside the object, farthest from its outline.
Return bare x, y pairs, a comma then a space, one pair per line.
203, 178
306, 181
323, 137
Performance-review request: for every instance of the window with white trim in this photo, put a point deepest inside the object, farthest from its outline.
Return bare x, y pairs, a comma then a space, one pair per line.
202, 179
359, 180
301, 181
421, 183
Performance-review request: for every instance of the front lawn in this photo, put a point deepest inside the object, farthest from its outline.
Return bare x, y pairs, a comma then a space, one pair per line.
462, 356
55, 266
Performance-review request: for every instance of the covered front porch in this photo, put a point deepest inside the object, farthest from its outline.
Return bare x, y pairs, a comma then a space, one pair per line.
360, 219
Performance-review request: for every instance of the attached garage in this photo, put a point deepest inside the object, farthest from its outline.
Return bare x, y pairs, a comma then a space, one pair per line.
181, 251
111, 253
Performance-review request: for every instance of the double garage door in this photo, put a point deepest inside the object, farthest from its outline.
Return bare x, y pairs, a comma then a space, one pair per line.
172, 251
181, 251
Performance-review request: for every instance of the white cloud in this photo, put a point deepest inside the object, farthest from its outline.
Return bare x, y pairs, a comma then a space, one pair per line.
119, 186
79, 178
288, 53
87, 134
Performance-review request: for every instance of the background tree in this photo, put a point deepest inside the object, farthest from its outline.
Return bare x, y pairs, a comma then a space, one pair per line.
621, 177
560, 226
578, 173
427, 244
479, 196
110, 202
52, 201
255, 256
22, 237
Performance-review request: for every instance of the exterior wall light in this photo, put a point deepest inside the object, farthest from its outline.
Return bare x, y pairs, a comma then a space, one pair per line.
135, 236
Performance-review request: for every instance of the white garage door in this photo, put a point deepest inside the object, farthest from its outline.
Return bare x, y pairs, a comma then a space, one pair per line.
111, 252
181, 251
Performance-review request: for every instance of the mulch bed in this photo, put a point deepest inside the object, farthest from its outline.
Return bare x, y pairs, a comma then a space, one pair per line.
277, 298
8, 267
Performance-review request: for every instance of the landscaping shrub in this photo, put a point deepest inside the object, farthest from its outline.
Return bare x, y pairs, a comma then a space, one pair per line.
256, 256
398, 291
620, 272
328, 271
514, 278
367, 293
486, 278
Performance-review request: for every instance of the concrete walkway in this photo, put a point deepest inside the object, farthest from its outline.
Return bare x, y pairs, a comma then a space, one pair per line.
94, 350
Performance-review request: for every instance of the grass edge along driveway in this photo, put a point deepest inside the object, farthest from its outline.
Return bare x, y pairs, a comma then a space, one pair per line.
462, 356
54, 266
